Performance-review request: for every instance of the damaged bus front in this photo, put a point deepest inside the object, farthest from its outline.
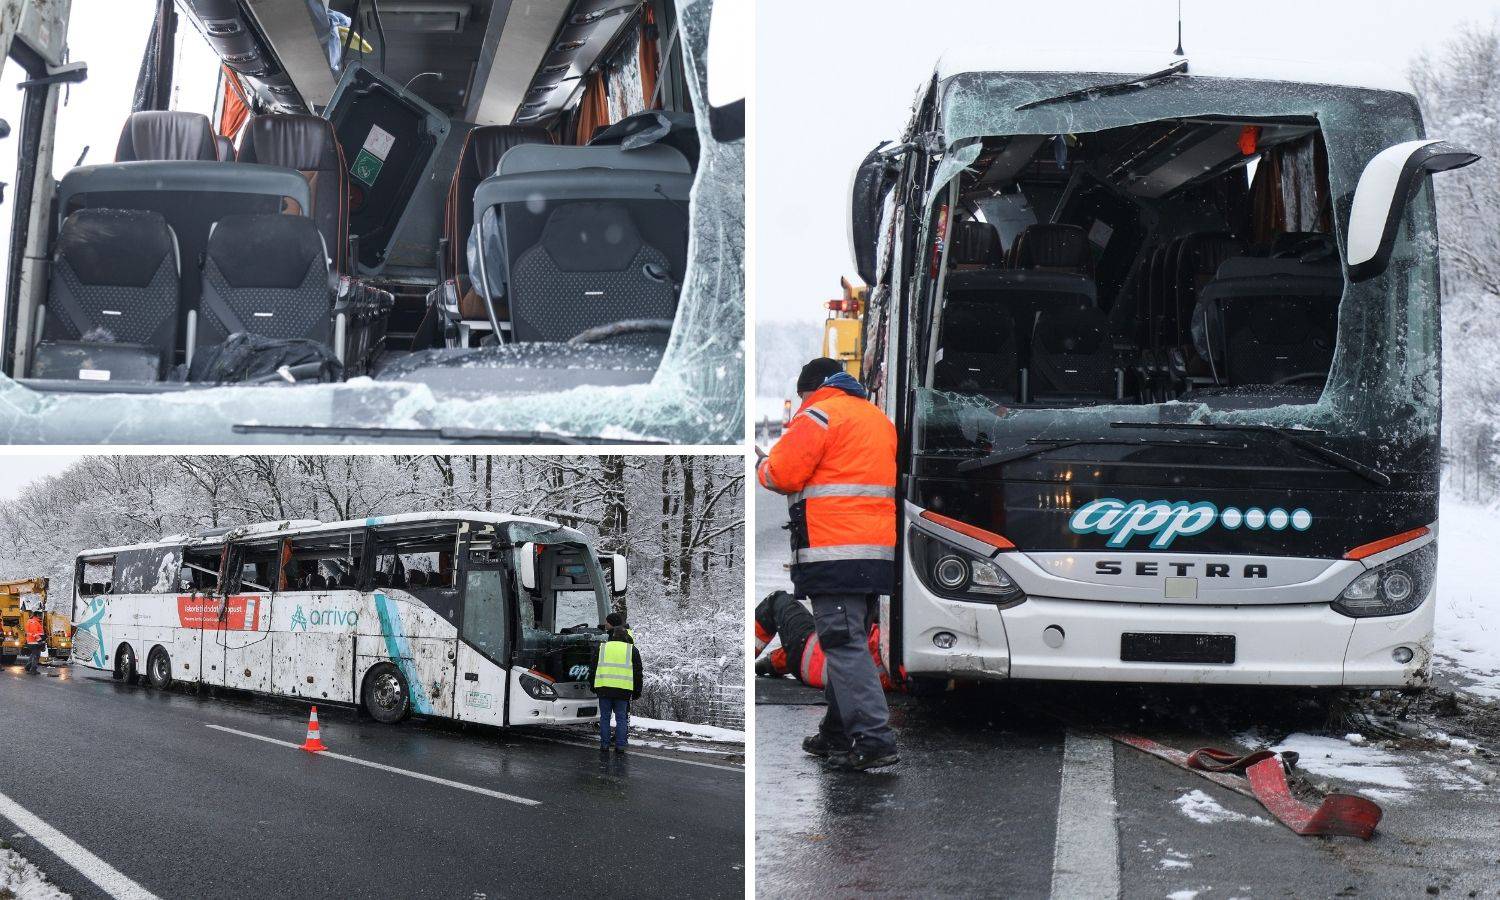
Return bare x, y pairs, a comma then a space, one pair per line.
1163, 352
468, 615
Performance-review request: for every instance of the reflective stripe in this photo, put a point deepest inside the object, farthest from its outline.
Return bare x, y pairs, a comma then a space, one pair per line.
844, 490
845, 551
763, 472
819, 417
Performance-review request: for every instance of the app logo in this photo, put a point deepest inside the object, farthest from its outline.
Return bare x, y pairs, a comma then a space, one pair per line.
1164, 521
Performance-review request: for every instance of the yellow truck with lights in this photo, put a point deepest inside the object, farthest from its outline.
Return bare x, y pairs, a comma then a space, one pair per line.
842, 336
20, 600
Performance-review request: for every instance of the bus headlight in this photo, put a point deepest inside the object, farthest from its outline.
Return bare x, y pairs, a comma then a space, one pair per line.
538, 686
953, 572
1393, 589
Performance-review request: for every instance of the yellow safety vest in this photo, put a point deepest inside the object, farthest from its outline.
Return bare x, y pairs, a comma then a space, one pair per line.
615, 668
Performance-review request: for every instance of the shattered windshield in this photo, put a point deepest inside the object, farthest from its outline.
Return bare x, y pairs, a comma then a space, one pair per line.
695, 395
1229, 306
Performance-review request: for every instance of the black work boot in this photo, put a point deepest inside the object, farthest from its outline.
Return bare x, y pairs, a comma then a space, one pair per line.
863, 759
820, 746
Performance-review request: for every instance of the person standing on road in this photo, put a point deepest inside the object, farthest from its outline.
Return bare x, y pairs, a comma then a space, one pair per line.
36, 638
836, 462
617, 681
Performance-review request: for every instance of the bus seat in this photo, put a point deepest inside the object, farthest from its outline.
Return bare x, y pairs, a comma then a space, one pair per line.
382, 579
308, 144
1261, 320
225, 147
266, 275
976, 245
477, 160
111, 310
1053, 247
1072, 354
166, 135
591, 267
417, 578
979, 350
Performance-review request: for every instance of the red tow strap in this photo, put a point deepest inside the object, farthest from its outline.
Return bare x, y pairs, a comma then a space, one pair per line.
1265, 770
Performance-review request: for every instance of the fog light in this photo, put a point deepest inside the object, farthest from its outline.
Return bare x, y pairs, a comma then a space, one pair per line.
1402, 655
945, 640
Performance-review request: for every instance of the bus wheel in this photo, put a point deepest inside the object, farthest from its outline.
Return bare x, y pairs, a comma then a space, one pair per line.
385, 695
159, 669
125, 665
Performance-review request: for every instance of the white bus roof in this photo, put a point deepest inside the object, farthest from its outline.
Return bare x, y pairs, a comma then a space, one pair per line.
1140, 62
313, 526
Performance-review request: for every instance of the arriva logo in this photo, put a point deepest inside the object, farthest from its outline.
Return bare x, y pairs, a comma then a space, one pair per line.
301, 620
578, 672
1167, 520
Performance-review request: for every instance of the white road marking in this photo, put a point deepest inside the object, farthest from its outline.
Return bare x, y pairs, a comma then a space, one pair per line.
1086, 857
499, 795
107, 878
687, 762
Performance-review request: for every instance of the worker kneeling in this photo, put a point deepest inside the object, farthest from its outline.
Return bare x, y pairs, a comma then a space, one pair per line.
836, 462
617, 681
800, 653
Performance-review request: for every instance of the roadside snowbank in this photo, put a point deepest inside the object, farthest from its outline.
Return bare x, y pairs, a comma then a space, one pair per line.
1467, 633
688, 729
24, 881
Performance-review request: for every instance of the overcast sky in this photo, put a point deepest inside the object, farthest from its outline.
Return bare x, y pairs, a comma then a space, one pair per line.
16, 472
834, 77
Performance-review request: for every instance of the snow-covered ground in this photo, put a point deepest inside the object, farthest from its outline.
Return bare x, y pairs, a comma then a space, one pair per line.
23, 881
688, 729
1467, 639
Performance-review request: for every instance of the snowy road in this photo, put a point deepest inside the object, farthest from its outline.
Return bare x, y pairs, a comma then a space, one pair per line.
195, 797
975, 806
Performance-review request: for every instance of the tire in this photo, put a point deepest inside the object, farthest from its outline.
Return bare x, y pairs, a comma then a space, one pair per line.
385, 695
159, 669
125, 665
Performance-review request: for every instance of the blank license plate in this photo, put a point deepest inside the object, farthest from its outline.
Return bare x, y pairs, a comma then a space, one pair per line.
1177, 648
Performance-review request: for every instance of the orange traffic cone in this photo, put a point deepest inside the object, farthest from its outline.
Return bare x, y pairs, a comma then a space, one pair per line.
314, 742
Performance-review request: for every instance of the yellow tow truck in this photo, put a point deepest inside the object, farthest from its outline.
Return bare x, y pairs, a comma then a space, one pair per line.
843, 335
20, 600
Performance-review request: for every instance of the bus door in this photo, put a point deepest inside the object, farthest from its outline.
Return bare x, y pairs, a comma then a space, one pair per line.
485, 645
237, 647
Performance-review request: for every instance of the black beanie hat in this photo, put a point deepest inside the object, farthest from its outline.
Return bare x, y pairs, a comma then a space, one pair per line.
816, 372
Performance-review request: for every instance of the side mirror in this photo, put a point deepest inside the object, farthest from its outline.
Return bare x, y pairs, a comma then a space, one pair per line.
618, 574
528, 565
873, 179
727, 68
1385, 187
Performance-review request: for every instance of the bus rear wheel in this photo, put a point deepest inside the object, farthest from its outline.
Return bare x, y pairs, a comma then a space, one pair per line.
385, 694
159, 669
125, 665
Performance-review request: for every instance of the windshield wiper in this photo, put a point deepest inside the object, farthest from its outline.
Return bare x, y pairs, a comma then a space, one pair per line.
1035, 446
1105, 90
1295, 436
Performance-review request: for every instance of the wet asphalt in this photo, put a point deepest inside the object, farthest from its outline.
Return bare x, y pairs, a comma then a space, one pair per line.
973, 808
135, 777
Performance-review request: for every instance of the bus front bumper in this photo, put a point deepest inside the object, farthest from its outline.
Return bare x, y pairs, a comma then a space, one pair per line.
1294, 646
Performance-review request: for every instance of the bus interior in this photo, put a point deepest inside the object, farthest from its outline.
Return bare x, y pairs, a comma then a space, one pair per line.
478, 196
1183, 259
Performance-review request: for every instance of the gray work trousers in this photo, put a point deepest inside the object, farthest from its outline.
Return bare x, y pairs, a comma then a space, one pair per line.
857, 714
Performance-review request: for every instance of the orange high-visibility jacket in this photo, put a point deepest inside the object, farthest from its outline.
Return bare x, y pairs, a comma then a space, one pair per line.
837, 464
35, 634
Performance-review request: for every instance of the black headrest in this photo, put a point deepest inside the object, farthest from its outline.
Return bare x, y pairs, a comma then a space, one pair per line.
268, 250
1052, 246
591, 237
975, 243
225, 147
121, 247
167, 135
417, 578
487, 143
291, 140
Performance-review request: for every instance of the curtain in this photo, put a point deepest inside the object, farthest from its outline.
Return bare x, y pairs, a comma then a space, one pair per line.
153, 83
650, 59
234, 110
593, 108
